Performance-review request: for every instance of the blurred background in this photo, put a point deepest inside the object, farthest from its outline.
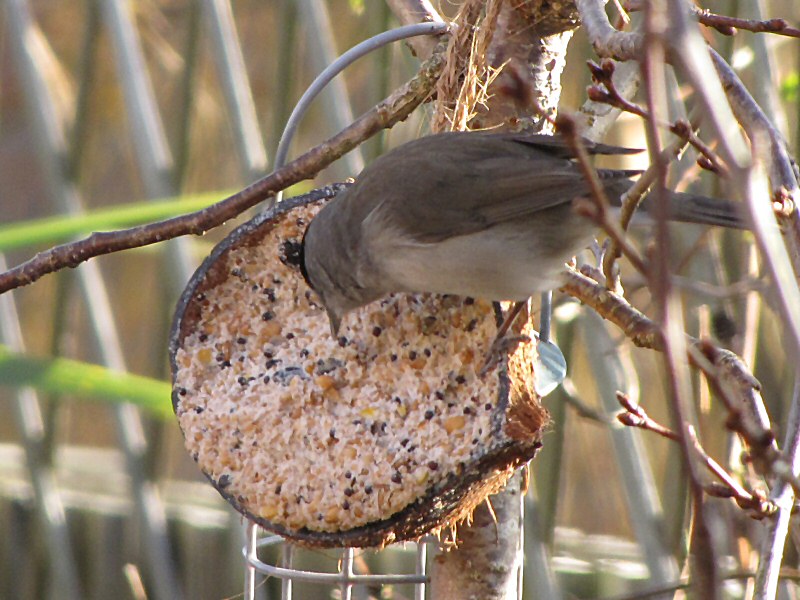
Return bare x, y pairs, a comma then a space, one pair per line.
116, 113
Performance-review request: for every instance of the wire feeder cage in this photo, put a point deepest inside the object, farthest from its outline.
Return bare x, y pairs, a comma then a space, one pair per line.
345, 578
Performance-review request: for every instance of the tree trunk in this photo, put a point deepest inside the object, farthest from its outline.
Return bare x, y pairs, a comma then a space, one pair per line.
529, 43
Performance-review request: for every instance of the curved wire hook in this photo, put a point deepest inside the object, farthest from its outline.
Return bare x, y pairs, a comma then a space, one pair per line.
378, 41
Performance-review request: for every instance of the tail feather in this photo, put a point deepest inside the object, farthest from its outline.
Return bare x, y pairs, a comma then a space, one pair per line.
691, 208
555, 145
606, 174
683, 207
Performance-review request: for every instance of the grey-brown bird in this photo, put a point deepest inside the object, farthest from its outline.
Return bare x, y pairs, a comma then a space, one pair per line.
480, 214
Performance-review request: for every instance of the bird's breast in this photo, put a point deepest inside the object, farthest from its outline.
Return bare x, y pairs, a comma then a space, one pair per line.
508, 262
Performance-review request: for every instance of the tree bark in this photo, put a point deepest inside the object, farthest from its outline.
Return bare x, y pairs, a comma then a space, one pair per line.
409, 12
487, 560
529, 45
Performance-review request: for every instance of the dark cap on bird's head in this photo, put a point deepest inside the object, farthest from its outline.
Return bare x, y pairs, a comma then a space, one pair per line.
334, 318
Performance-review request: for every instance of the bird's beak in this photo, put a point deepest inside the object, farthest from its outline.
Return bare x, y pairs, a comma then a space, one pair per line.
335, 321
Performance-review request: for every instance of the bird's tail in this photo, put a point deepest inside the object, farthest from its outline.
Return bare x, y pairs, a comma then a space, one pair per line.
691, 208
684, 208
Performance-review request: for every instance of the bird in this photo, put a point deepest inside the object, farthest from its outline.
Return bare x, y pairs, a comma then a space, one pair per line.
481, 214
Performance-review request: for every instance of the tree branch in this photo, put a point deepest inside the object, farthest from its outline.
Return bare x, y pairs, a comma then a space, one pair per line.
729, 25
389, 112
409, 12
635, 416
738, 388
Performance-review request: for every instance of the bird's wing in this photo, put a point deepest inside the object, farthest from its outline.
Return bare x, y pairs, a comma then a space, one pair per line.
455, 184
556, 146
443, 199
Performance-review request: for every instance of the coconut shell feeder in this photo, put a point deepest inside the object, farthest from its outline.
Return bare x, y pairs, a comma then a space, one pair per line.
385, 434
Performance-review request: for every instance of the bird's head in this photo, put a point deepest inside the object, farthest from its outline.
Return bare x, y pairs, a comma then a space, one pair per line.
319, 265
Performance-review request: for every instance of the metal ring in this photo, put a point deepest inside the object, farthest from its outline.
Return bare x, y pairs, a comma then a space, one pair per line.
329, 578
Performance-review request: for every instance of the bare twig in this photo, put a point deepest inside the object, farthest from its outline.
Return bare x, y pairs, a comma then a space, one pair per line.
703, 562
635, 325
392, 110
750, 183
726, 373
771, 550
582, 409
409, 12
635, 416
695, 64
605, 39
728, 25
598, 207
596, 118
756, 502
695, 60
631, 200
654, 73
609, 94
784, 265
773, 153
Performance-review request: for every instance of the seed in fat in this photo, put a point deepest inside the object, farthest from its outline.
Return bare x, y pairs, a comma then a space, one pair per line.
204, 355
269, 511
368, 412
325, 382
454, 423
271, 329
332, 515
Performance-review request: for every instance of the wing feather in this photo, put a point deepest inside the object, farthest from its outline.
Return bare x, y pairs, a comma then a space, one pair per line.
491, 180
